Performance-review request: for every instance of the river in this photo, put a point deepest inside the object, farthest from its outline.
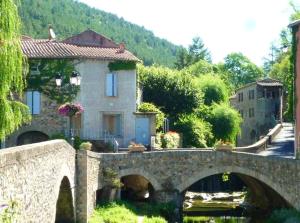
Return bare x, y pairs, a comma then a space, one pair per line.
218, 207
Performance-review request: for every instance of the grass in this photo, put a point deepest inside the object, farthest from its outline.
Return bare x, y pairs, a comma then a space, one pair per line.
125, 212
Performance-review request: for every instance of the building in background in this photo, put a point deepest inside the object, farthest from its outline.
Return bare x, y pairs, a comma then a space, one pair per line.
260, 105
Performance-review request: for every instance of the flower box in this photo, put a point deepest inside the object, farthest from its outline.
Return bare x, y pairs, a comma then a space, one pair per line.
139, 149
224, 147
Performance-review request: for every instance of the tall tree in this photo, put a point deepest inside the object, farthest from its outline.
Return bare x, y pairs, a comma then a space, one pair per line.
240, 70
195, 52
12, 113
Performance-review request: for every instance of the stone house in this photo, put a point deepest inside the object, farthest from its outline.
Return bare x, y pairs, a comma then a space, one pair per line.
109, 98
260, 105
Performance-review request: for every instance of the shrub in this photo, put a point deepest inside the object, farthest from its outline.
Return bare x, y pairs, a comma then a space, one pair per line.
213, 88
59, 136
148, 107
154, 220
196, 132
170, 140
113, 213
225, 122
174, 92
85, 146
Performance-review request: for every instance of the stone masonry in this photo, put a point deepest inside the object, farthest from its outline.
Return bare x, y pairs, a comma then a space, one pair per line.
32, 175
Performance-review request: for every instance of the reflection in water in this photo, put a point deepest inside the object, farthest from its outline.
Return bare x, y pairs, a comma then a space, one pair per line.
217, 208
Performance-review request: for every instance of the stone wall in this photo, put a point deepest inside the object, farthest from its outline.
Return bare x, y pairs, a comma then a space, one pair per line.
48, 122
31, 175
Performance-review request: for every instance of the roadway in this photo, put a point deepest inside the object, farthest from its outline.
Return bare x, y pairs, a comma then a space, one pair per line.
283, 144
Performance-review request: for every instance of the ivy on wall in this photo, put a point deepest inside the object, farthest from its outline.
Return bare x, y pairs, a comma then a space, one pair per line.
44, 80
122, 65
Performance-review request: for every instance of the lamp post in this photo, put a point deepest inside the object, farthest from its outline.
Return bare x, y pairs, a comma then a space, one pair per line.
75, 80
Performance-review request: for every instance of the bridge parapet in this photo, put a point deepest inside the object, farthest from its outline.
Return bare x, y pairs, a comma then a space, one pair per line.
31, 175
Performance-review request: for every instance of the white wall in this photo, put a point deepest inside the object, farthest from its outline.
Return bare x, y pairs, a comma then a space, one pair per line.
95, 103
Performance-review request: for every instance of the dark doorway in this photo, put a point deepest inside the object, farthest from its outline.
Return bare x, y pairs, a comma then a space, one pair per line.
64, 205
31, 137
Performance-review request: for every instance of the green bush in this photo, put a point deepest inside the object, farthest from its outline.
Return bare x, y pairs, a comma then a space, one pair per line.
154, 220
213, 88
149, 107
58, 136
174, 92
170, 140
284, 215
113, 213
85, 146
225, 122
196, 132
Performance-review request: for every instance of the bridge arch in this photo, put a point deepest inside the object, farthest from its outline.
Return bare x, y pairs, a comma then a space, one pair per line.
65, 196
237, 170
141, 172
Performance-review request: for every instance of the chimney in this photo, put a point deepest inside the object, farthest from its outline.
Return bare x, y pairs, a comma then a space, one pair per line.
121, 48
51, 33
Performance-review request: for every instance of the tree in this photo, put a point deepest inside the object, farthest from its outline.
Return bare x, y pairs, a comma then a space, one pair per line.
12, 112
225, 122
282, 70
173, 92
240, 70
195, 52
196, 132
213, 88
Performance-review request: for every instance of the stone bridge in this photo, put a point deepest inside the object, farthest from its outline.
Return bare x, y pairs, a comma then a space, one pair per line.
41, 177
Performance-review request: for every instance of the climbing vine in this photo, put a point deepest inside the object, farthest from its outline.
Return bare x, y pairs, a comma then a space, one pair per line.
122, 65
44, 79
12, 68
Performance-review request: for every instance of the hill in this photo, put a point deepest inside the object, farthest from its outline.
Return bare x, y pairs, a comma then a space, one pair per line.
70, 17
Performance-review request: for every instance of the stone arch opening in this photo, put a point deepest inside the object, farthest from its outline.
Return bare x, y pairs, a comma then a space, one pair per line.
64, 204
31, 137
136, 188
261, 198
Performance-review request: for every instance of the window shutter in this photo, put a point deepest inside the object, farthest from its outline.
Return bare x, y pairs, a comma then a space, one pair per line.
36, 103
29, 100
109, 85
115, 85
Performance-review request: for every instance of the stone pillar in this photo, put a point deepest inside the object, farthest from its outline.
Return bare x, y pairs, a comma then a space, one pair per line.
172, 196
81, 187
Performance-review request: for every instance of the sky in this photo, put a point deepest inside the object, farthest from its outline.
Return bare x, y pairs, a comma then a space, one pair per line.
225, 26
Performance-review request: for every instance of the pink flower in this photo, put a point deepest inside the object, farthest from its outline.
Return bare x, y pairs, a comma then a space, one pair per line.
70, 110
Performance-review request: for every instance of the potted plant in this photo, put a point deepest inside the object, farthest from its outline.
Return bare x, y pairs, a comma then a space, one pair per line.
224, 146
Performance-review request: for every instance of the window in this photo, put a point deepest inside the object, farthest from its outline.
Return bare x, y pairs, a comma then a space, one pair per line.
111, 85
33, 101
251, 112
240, 97
242, 113
251, 94
112, 124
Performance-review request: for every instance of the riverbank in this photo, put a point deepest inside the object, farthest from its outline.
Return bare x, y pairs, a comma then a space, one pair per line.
125, 212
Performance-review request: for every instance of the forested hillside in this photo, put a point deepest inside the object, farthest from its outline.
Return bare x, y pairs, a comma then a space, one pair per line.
70, 17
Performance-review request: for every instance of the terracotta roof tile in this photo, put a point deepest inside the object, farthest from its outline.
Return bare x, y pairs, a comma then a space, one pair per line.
269, 82
54, 50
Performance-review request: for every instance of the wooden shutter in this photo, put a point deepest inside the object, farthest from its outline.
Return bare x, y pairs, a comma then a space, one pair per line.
29, 100
115, 85
109, 85
36, 103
